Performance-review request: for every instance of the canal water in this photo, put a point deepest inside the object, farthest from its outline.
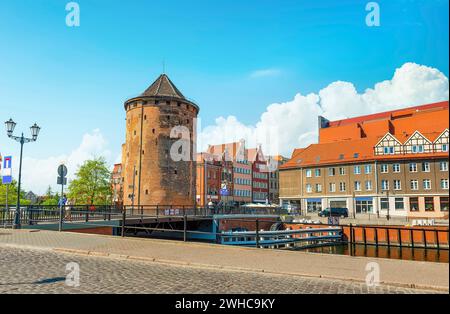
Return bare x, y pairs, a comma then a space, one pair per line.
413, 254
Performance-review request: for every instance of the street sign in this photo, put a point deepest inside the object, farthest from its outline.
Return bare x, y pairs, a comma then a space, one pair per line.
62, 171
7, 170
61, 181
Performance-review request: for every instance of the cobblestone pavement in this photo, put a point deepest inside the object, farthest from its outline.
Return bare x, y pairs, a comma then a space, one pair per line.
36, 271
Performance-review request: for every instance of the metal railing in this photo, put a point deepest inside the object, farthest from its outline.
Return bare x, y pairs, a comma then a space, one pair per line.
35, 214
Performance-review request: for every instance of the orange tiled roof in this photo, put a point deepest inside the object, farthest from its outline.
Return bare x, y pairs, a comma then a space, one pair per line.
431, 118
353, 140
391, 114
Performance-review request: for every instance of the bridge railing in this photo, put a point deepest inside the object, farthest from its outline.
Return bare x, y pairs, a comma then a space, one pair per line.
35, 214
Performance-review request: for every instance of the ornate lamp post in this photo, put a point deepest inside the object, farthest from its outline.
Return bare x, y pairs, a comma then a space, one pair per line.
10, 126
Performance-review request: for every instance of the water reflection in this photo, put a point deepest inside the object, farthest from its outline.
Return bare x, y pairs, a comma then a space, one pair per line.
413, 254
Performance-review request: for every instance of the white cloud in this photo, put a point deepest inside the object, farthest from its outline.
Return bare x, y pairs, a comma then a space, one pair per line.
265, 73
40, 173
285, 126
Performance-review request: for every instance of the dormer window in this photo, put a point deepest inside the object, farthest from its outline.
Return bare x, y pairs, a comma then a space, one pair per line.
389, 150
417, 149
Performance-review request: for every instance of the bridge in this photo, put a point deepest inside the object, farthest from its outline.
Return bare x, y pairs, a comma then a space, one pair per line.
254, 227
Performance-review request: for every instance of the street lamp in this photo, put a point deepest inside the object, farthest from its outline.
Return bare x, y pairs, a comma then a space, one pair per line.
35, 129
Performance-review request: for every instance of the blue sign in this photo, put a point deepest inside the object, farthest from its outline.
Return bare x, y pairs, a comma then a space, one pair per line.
224, 192
7, 170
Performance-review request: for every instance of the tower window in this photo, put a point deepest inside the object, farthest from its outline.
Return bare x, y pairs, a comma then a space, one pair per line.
179, 104
145, 117
146, 192
175, 171
153, 131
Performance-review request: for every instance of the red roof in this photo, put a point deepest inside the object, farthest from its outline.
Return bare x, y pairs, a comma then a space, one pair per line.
353, 140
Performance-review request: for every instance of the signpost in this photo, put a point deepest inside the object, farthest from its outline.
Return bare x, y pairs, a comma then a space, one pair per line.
62, 180
7, 178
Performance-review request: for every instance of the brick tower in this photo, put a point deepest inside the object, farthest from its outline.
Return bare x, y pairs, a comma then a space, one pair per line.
148, 168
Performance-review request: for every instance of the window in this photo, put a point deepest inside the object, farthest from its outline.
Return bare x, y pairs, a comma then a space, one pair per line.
342, 186
384, 203
368, 169
389, 150
308, 188
364, 206
342, 171
368, 185
417, 149
384, 185
313, 206
396, 168
332, 187
444, 204
414, 185
426, 167
397, 185
357, 186
443, 166
444, 147
429, 204
357, 169
318, 188
399, 204
444, 184
412, 167
384, 168
331, 172
308, 173
317, 172
414, 204
427, 184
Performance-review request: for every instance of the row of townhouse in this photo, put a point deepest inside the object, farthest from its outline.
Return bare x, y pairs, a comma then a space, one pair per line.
231, 173
393, 163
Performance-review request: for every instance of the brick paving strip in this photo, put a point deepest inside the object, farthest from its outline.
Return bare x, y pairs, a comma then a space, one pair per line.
408, 274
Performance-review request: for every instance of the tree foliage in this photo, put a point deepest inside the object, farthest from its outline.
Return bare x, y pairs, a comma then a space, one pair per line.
92, 183
50, 198
12, 195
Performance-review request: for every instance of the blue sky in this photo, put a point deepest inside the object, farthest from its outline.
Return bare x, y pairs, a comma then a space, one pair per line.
74, 80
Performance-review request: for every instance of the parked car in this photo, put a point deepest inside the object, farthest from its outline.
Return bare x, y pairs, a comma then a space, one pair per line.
334, 212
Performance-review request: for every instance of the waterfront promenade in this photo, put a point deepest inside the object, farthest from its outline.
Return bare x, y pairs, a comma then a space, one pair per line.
119, 263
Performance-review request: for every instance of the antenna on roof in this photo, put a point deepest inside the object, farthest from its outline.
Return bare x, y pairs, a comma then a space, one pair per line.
164, 66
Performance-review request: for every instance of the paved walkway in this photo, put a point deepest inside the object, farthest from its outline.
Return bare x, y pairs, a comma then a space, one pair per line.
424, 275
37, 271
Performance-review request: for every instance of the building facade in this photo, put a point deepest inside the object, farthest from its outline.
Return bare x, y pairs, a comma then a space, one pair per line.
274, 164
260, 175
235, 157
209, 179
156, 122
393, 163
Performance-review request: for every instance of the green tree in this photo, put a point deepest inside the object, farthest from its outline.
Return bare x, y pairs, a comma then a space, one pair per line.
92, 183
12, 195
50, 197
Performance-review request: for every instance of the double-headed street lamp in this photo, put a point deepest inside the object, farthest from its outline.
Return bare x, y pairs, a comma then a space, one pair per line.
10, 126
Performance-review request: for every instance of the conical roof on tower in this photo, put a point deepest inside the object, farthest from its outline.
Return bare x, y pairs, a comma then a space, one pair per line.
163, 86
